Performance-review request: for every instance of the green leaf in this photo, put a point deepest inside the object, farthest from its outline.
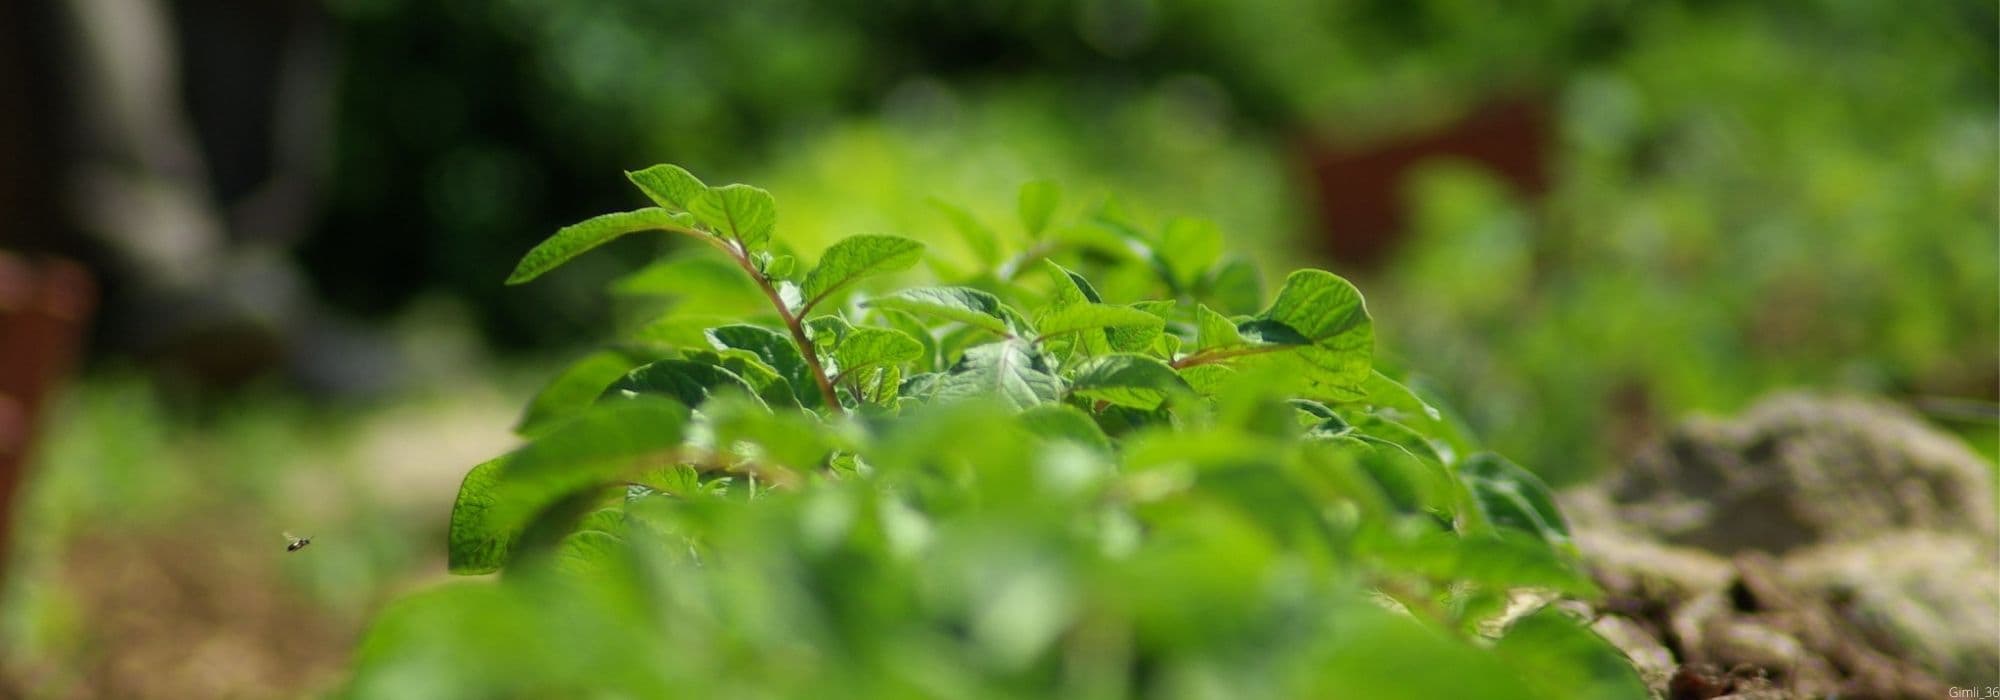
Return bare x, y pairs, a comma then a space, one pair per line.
686, 381
1379, 427
868, 346
1208, 379
1501, 560
779, 267
827, 331
576, 388
677, 330
476, 544
575, 239
1236, 288
1056, 421
777, 351
1009, 370
1128, 328
1213, 330
910, 326
769, 386
984, 243
791, 438
854, 258
1130, 380
670, 186
1037, 204
1562, 658
703, 280
1514, 498
1070, 288
1326, 316
1389, 393
741, 212
1383, 655
962, 304
1189, 247
589, 552
499, 498
1413, 484
880, 385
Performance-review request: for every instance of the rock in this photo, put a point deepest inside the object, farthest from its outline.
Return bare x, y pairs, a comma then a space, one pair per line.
1915, 595
1798, 470
1814, 547
1654, 660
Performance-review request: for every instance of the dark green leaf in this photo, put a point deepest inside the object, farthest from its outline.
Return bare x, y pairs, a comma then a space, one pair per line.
686, 381
777, 351
762, 379
1514, 498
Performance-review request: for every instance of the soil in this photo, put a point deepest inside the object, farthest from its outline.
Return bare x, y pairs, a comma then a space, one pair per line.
172, 615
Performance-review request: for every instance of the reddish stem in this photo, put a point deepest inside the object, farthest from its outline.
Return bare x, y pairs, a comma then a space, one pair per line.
742, 258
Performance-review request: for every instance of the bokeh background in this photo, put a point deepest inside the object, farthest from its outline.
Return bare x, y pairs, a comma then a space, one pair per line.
251, 253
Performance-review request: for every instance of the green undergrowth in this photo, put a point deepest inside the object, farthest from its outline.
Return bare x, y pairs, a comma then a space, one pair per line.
1105, 461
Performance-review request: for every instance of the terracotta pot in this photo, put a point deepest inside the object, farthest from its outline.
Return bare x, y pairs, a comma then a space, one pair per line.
45, 308
1358, 188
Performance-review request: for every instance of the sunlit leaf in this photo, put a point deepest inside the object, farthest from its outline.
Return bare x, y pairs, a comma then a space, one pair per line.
1130, 380
576, 239
1009, 370
961, 304
740, 212
854, 258
669, 186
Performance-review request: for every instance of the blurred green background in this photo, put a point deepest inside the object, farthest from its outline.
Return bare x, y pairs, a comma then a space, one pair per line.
1581, 220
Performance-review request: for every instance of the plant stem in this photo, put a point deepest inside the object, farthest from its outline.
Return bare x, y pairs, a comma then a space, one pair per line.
1206, 357
742, 258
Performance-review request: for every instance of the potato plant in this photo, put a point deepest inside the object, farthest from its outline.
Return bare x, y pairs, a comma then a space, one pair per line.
1099, 463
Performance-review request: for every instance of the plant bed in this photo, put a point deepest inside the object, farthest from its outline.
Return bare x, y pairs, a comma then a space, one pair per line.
1105, 463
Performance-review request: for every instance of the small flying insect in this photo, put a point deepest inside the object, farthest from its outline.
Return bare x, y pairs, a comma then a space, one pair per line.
295, 543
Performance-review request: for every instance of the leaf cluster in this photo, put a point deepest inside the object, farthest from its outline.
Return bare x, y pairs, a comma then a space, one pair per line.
1012, 482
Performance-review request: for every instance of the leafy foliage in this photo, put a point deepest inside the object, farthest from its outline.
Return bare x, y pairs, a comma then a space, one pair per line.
1005, 485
